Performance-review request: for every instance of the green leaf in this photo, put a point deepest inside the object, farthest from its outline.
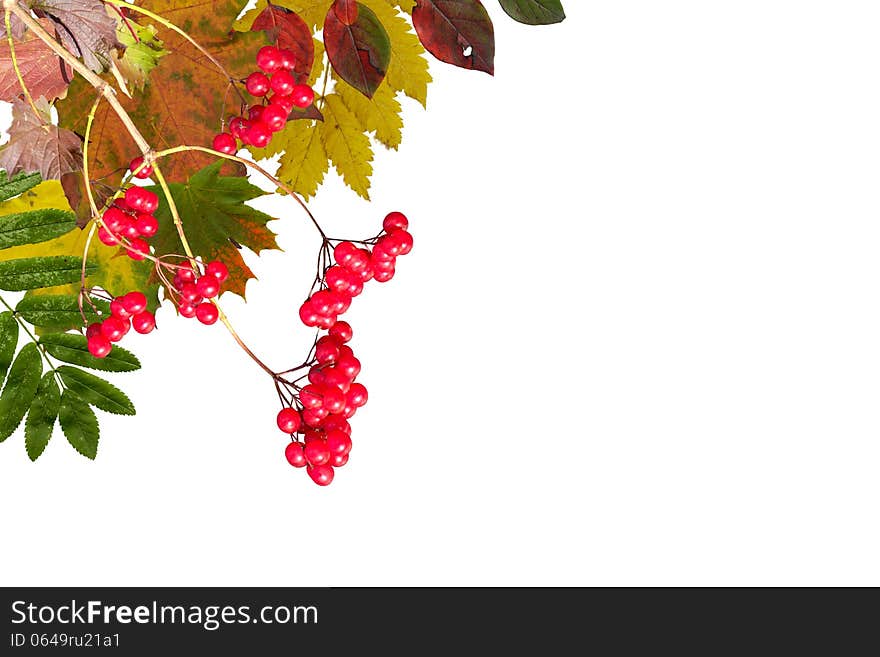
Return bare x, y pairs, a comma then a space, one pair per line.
143, 50
33, 227
79, 424
214, 212
96, 391
18, 184
73, 348
534, 12
31, 273
21, 386
41, 418
59, 312
8, 342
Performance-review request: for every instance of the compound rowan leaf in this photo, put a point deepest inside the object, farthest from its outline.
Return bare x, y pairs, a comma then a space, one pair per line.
79, 424
84, 27
21, 386
346, 145
18, 184
379, 114
42, 70
59, 312
8, 342
41, 416
534, 12
96, 391
457, 32
34, 226
287, 30
357, 45
143, 50
73, 348
44, 271
36, 145
214, 213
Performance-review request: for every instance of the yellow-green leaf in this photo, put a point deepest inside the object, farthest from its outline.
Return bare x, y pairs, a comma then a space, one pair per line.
141, 54
304, 163
379, 115
346, 145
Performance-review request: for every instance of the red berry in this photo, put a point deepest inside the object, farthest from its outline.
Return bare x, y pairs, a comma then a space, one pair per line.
308, 315
312, 435
336, 379
337, 278
338, 442
186, 309
186, 273
357, 395
257, 84
208, 286
207, 313
189, 292
383, 275
310, 396
316, 375
302, 95
284, 102
287, 58
117, 309
99, 346
343, 252
323, 302
274, 117
358, 262
258, 135
147, 225
333, 399
336, 422
107, 237
114, 329
321, 474
114, 219
289, 420
295, 455
225, 143
395, 220
144, 322
141, 200
120, 203
317, 452
282, 83
338, 460
218, 270
341, 331
313, 416
382, 252
327, 350
144, 172
134, 302
129, 229
269, 59
137, 249
348, 365
340, 302
402, 240
356, 286
239, 127
255, 112
93, 330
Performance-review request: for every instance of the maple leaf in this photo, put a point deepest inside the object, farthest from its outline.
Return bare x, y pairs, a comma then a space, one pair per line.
185, 96
84, 27
41, 69
116, 272
143, 50
213, 211
36, 145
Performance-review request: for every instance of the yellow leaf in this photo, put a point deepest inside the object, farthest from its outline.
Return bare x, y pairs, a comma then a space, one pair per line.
381, 115
304, 164
311, 11
408, 70
346, 145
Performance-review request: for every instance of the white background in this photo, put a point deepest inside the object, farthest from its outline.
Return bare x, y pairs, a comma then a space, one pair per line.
637, 343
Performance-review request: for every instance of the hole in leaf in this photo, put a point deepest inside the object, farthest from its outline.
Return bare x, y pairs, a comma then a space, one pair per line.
468, 51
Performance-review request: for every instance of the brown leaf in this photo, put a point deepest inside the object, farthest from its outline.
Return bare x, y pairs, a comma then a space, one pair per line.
83, 26
357, 45
35, 145
40, 68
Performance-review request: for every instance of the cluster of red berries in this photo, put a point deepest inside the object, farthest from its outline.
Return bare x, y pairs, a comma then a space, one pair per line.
266, 118
127, 312
131, 219
194, 291
332, 396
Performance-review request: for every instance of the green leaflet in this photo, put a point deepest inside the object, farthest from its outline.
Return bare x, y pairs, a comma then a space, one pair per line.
534, 12
59, 312
79, 424
18, 184
32, 273
21, 386
41, 417
73, 348
8, 342
35, 226
96, 391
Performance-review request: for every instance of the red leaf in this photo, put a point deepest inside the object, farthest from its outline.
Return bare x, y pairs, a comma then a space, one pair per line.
457, 32
39, 66
289, 31
359, 51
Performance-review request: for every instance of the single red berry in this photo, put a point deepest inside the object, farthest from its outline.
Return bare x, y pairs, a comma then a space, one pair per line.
225, 143
321, 474
382, 251
327, 350
310, 396
357, 395
338, 442
257, 84
313, 416
208, 286
258, 135
358, 262
284, 102
287, 58
134, 302
326, 321
239, 126
349, 365
186, 273
93, 330
289, 420
107, 238
317, 452
186, 309
189, 292
99, 346
117, 309
114, 328
343, 252
144, 322
137, 249
141, 200
282, 83
316, 375
147, 225
114, 219
302, 95
382, 265
337, 278
218, 270
129, 229
333, 399
274, 117
341, 331
336, 379
395, 220
207, 313
139, 171
308, 315
338, 460
119, 202
345, 351
402, 240
295, 455
323, 302
383, 275
269, 59
367, 273
355, 287
341, 301
255, 113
